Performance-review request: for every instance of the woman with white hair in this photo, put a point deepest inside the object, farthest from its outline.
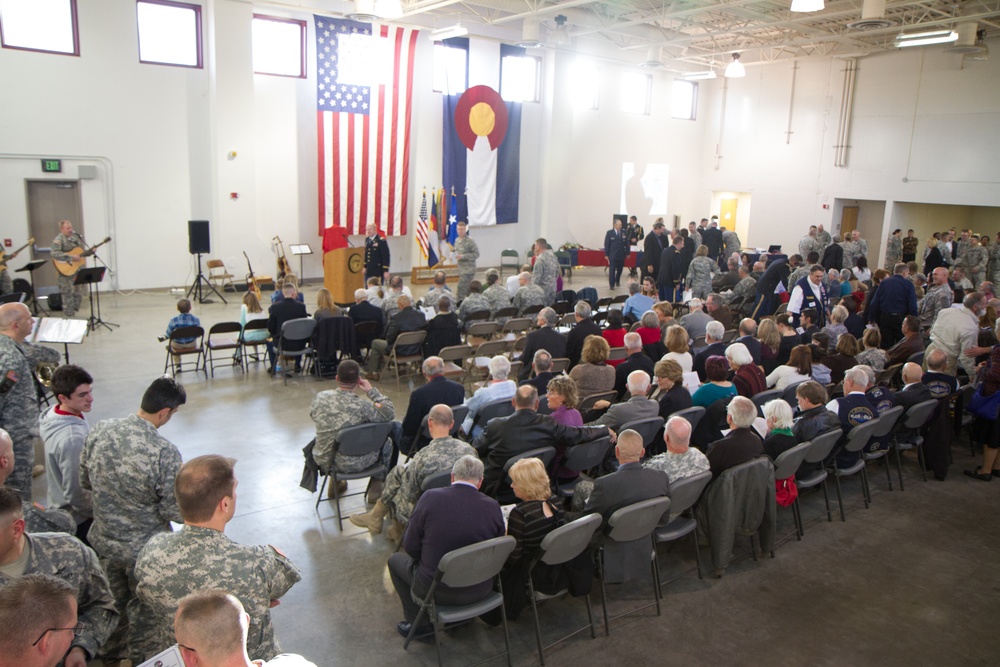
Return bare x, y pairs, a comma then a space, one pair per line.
836, 326
497, 388
780, 438
748, 378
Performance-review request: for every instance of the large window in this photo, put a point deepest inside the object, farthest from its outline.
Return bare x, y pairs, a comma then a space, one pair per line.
169, 33
584, 83
279, 46
635, 92
450, 69
520, 78
684, 100
40, 25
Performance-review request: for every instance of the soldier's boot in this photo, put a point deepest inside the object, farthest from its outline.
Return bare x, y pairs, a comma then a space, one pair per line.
396, 530
371, 520
374, 491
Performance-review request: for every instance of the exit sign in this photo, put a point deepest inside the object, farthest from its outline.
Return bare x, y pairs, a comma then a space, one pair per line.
52, 166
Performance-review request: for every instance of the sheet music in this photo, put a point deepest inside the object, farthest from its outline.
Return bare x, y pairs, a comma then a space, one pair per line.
169, 658
57, 330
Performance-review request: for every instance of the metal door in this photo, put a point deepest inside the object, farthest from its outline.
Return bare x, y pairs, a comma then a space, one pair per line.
50, 202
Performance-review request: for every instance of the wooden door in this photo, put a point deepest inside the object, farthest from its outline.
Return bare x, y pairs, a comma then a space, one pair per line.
727, 214
48, 203
848, 220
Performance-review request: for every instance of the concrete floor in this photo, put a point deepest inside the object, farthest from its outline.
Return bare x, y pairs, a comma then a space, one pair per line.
901, 583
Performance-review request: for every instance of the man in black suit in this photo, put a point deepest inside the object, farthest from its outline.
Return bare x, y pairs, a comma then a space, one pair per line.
279, 313
585, 326
544, 338
742, 443
541, 362
672, 272
748, 336
914, 390
363, 311
636, 361
652, 248
438, 389
714, 332
444, 520
776, 272
712, 238
444, 329
407, 319
376, 255
506, 437
630, 484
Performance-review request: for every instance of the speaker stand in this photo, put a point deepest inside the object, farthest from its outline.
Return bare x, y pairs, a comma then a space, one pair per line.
196, 286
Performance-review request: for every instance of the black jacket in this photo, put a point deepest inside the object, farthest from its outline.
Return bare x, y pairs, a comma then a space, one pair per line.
637, 361
547, 339
408, 319
671, 267
366, 312
575, 338
652, 248
443, 330
712, 238
281, 312
833, 257
713, 350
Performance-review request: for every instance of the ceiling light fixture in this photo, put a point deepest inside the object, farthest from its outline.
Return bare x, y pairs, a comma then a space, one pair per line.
364, 11
560, 35
925, 38
529, 35
735, 69
441, 34
700, 76
807, 5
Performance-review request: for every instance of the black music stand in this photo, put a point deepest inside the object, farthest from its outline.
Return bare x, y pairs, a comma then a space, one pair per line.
92, 279
13, 297
31, 267
196, 286
301, 249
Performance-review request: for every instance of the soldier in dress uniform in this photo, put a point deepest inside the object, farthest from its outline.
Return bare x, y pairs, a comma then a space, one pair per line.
130, 468
18, 397
528, 294
200, 556
62, 244
546, 271
634, 233
376, 255
67, 559
466, 254
894, 250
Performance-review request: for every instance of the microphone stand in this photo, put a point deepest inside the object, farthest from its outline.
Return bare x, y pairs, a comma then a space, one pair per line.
97, 290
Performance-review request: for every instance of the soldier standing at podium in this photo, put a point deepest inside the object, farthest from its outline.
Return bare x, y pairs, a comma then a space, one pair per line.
376, 255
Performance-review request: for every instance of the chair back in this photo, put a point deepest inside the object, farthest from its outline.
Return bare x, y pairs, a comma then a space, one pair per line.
438, 480
408, 338
647, 428
481, 329
789, 461
918, 415
699, 342
888, 376
560, 365
887, 421
215, 263
255, 325
543, 454
227, 327
569, 541
362, 439
456, 354
916, 358
789, 395
365, 332
603, 303
692, 414
588, 402
822, 445
477, 316
301, 328
533, 310
543, 406
861, 435
730, 335
618, 354
509, 311
638, 520
499, 408
568, 320
491, 348
460, 412
686, 491
475, 563
587, 455
764, 397
187, 332
517, 324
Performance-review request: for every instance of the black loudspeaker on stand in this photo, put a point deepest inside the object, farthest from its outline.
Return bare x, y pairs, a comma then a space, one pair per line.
199, 243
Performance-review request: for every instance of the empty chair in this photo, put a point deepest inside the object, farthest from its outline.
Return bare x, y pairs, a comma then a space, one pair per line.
889, 376
515, 326
218, 274
505, 313
857, 440
175, 357
481, 331
822, 446
581, 458
414, 339
360, 440
218, 340
698, 342
916, 418
455, 358
531, 311
684, 493
647, 428
886, 426
785, 466
509, 258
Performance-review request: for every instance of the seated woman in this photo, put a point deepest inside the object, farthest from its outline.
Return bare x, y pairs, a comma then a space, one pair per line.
843, 358
325, 307
593, 375
535, 516
562, 398
717, 386
873, 355
861, 271
376, 295
798, 369
649, 328
770, 343
818, 348
780, 439
615, 332
649, 288
789, 337
249, 311
669, 390
677, 348
845, 283
836, 326
748, 378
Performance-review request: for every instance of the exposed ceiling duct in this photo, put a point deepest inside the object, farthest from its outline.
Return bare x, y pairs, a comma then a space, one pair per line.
872, 17
652, 60
966, 42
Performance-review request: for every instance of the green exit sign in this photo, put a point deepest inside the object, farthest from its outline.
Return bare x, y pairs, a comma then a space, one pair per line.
52, 166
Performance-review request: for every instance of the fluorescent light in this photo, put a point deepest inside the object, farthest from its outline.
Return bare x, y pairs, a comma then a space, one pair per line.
807, 5
735, 69
442, 34
925, 38
700, 76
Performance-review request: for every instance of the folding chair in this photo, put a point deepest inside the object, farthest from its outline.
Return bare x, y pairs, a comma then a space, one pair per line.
455, 358
514, 327
647, 428
407, 339
818, 452
560, 365
360, 440
249, 327
213, 344
761, 399
582, 458
438, 480
915, 419
692, 414
785, 466
509, 258
499, 408
789, 394
481, 331
218, 274
543, 454
423, 438
886, 426
294, 332
565, 264
364, 334
177, 365
543, 406
587, 403
684, 493
618, 354
857, 440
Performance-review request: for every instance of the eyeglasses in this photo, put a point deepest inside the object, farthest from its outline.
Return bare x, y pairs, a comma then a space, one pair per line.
186, 648
77, 631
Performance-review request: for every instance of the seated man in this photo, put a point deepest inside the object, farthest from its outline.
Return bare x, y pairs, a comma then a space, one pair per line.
635, 361
545, 337
407, 318
937, 380
443, 330
444, 520
336, 409
279, 313
680, 460
911, 344
64, 429
390, 302
854, 409
498, 387
727, 280
541, 365
506, 437
497, 294
474, 302
714, 333
36, 518
211, 630
630, 484
742, 443
200, 556
39, 618
402, 485
439, 290
636, 407
914, 390
814, 419
585, 326
184, 319
745, 289
718, 310
637, 303
528, 294
66, 558
437, 389
748, 336
808, 325
514, 281
696, 320
363, 311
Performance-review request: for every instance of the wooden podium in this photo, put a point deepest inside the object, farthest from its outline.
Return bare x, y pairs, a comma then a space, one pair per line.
344, 272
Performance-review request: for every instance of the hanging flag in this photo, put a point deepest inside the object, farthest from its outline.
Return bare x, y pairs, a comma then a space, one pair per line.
363, 126
453, 221
423, 235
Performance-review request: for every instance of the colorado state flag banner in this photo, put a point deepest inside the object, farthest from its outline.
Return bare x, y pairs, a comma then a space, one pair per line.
364, 92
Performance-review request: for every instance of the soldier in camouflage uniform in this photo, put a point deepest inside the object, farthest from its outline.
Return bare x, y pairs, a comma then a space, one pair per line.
528, 294
823, 239
894, 250
200, 556
852, 250
693, 233
937, 298
730, 243
976, 261
390, 304
473, 303
809, 243
963, 245
439, 290
66, 558
994, 265
403, 485
699, 275
18, 397
466, 254
546, 271
496, 293
746, 288
130, 468
67, 240
36, 518
800, 272
910, 244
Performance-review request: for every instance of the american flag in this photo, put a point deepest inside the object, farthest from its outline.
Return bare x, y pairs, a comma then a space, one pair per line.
363, 126
426, 249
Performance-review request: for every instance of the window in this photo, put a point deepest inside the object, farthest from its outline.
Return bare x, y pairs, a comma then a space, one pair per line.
520, 78
169, 33
583, 81
684, 101
40, 25
635, 92
279, 46
450, 69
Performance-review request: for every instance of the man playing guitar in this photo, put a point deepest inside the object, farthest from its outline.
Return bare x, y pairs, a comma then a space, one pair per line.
6, 284
63, 245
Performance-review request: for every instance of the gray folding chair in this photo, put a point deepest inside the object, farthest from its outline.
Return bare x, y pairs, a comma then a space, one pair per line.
543, 454
647, 428
789, 395
560, 365
438, 480
299, 330
424, 435
587, 403
406, 339
857, 440
561, 546
631, 523
785, 466
820, 450
684, 493
499, 408
581, 458
462, 568
245, 345
360, 440
886, 426
915, 419
764, 397
693, 415
543, 406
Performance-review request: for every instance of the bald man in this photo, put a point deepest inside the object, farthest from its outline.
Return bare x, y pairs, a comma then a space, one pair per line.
680, 460
631, 483
914, 390
18, 399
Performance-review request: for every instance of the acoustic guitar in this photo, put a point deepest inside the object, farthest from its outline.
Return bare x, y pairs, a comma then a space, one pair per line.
252, 284
283, 266
70, 267
6, 258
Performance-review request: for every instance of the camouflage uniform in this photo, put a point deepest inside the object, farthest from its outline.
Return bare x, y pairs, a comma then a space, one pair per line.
472, 304
679, 466
730, 242
893, 252
335, 409
963, 247
529, 295
545, 274
18, 411
852, 250
798, 274
130, 468
402, 485
469, 251
699, 277
67, 558
36, 354
6, 284
745, 288
71, 295
975, 260
935, 300
696, 237
434, 295
807, 245
995, 263
498, 297
40, 520
823, 239
390, 305
194, 559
